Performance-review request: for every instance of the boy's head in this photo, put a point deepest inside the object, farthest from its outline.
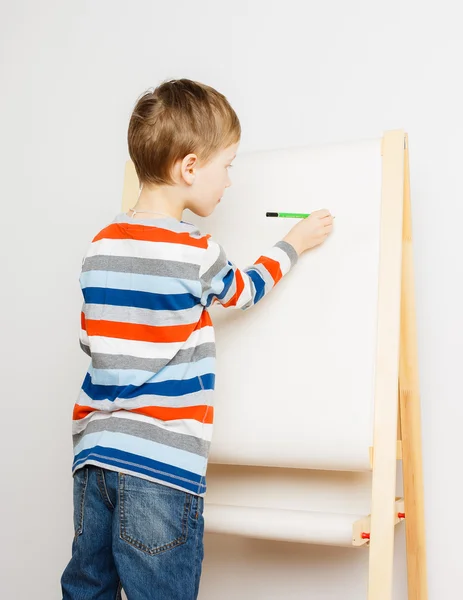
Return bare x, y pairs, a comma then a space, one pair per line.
185, 134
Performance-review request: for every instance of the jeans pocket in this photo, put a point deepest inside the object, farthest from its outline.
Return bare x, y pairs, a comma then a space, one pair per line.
80, 478
153, 517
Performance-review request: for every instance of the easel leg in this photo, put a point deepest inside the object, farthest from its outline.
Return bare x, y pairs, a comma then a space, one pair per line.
410, 416
387, 371
131, 188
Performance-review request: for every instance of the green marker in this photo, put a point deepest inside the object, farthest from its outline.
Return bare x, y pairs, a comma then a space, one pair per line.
288, 215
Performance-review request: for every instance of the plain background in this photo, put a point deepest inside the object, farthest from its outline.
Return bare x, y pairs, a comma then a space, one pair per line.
297, 73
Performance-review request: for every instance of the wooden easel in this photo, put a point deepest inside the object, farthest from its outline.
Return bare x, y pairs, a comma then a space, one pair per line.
397, 425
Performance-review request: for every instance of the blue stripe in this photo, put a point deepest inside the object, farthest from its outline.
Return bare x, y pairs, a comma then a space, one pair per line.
259, 284
165, 388
125, 442
125, 377
140, 464
139, 299
221, 283
227, 283
141, 283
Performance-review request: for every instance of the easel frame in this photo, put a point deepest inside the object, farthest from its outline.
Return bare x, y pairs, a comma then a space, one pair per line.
397, 419
396, 368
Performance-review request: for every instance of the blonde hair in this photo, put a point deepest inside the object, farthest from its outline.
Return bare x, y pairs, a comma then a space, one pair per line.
179, 117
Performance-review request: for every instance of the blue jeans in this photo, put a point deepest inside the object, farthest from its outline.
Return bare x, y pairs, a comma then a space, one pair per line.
134, 534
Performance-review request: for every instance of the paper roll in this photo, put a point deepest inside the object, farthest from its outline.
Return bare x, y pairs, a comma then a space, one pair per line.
328, 529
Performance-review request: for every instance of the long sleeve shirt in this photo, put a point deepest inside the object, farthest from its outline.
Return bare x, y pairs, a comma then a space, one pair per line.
146, 403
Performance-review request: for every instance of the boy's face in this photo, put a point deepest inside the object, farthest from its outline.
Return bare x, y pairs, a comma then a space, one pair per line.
209, 181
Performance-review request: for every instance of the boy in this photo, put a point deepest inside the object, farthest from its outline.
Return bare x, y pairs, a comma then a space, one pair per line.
142, 423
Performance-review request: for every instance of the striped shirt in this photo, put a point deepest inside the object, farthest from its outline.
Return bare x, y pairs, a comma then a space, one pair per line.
146, 403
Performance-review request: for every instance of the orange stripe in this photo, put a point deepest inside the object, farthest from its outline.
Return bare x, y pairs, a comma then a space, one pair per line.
80, 412
140, 333
146, 333
201, 413
82, 321
239, 288
143, 233
272, 266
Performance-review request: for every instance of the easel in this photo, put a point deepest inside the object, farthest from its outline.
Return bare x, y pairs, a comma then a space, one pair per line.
397, 428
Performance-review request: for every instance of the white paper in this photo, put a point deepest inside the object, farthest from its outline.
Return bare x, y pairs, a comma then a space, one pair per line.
295, 379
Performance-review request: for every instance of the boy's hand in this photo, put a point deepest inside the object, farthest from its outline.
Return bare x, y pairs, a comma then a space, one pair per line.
310, 232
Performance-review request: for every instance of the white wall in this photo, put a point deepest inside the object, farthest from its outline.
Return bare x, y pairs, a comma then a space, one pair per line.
297, 73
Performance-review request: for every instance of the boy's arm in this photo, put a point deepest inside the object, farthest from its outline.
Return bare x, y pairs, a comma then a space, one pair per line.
223, 282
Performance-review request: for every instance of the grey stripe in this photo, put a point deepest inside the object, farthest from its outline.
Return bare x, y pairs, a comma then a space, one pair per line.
85, 348
252, 291
292, 254
215, 268
143, 316
249, 304
141, 266
147, 431
153, 365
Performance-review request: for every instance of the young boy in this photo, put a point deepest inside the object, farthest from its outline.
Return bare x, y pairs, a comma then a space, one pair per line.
142, 424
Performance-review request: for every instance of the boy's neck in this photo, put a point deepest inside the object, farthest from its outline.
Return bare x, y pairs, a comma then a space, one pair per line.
162, 199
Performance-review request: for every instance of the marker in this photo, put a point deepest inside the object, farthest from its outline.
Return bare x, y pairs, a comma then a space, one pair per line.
288, 215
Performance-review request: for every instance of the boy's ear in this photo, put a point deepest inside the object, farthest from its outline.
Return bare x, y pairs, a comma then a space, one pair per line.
188, 168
